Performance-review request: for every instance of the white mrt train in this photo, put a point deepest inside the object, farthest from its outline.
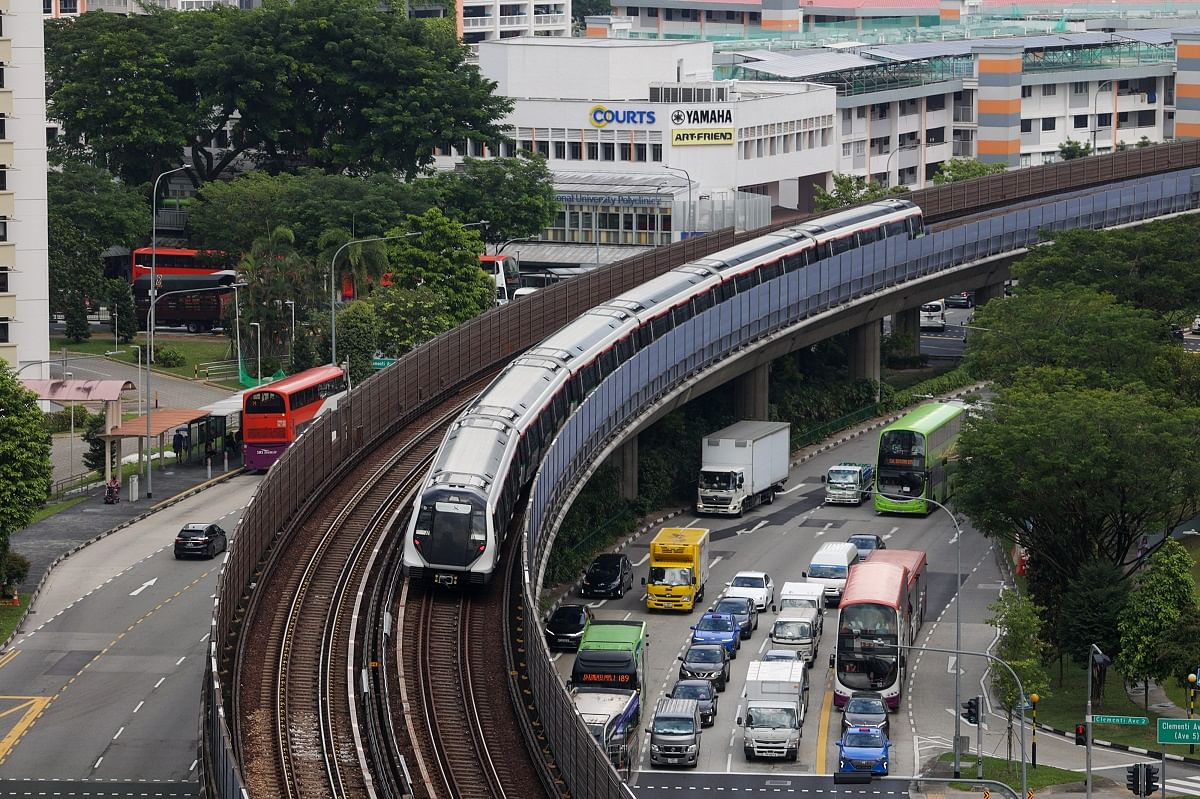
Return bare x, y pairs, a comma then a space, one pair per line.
493, 449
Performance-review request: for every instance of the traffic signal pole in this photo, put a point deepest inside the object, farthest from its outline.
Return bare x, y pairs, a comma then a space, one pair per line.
979, 743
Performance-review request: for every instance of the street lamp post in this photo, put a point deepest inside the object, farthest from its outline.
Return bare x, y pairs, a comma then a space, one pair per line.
64, 360
154, 266
691, 214
149, 395
1096, 114
258, 348
138, 348
1095, 658
292, 330
887, 165
71, 455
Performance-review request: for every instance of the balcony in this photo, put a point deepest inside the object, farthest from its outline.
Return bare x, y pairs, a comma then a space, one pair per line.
6, 154
8, 306
964, 149
964, 113
478, 22
8, 256
5, 51
7, 204
515, 21
549, 20
6, 102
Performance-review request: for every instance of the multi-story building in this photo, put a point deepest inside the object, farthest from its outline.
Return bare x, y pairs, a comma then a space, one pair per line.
24, 285
484, 20
73, 8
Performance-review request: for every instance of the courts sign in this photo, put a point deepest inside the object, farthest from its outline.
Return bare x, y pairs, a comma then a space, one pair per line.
690, 137
601, 116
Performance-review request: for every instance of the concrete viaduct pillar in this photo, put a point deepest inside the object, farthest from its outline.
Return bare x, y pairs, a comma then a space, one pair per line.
906, 326
864, 352
751, 392
626, 459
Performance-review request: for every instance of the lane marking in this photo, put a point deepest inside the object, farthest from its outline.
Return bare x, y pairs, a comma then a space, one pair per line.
139, 706
793, 488
149, 583
823, 729
891, 533
645, 558
7, 657
118, 735
32, 707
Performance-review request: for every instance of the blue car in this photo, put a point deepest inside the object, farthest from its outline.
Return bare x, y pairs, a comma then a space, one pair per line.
718, 628
864, 749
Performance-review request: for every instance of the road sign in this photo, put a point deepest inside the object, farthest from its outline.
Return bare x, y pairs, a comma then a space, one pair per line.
987, 794
1128, 721
1029, 794
1179, 731
379, 363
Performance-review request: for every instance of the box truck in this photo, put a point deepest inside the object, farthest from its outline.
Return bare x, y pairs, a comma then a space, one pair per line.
849, 483
776, 701
743, 465
678, 568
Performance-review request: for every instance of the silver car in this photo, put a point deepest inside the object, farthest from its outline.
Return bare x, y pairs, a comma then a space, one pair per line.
705, 695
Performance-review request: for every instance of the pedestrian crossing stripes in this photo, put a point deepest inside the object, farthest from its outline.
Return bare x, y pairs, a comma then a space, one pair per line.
1189, 786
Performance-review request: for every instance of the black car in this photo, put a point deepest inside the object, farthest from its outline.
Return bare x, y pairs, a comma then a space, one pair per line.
866, 543
705, 662
865, 709
201, 539
743, 610
565, 627
609, 575
705, 695
964, 300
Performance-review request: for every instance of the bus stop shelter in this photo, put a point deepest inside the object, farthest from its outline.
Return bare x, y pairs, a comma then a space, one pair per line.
64, 392
162, 422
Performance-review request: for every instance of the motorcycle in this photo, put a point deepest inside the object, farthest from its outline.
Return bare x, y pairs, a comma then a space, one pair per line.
112, 492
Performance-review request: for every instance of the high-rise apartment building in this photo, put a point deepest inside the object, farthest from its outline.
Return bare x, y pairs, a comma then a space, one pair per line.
24, 285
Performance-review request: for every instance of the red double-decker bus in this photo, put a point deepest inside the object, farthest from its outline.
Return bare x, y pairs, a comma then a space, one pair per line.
177, 261
275, 413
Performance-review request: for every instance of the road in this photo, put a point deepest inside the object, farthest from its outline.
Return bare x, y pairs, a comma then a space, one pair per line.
102, 694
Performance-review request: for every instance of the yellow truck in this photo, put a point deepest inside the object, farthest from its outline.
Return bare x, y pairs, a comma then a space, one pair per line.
678, 568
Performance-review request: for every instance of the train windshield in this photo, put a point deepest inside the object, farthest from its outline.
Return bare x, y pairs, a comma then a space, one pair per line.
451, 531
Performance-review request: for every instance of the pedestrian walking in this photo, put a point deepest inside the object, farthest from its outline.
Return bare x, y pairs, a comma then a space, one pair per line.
177, 445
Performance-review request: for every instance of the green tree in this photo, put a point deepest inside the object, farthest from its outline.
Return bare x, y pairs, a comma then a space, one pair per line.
588, 8
73, 265
1071, 149
96, 205
851, 190
1107, 343
1089, 610
1018, 621
93, 456
75, 315
312, 341
1165, 592
366, 261
1150, 266
358, 338
1064, 469
25, 469
957, 169
1143, 142
445, 259
514, 195
274, 273
1178, 651
409, 317
120, 304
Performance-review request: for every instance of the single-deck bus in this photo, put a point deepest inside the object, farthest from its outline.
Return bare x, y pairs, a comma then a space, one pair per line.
873, 618
275, 413
916, 454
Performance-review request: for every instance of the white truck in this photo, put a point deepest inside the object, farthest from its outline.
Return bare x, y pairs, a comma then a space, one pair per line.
776, 700
849, 483
741, 466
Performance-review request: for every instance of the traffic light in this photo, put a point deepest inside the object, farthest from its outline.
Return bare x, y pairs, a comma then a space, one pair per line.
1081, 735
1151, 779
971, 710
1133, 779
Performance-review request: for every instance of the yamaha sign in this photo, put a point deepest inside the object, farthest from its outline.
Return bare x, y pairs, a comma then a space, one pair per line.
702, 116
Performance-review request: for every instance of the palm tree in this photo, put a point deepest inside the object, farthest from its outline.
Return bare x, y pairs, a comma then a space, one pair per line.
275, 272
367, 262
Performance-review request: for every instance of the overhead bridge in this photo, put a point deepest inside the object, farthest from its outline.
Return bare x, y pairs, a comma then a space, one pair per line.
756, 324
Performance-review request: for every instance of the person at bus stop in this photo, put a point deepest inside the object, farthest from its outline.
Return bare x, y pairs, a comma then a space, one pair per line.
177, 445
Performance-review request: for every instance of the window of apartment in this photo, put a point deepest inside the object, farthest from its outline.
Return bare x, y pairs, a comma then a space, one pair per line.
3, 281
608, 152
1079, 87
879, 146
593, 152
650, 12
1050, 157
1049, 89
632, 11
47, 6
1025, 160
656, 153
710, 16
68, 6
1123, 118
4, 332
1049, 123
560, 150
639, 152
1104, 120
1080, 121
935, 136
878, 111
847, 115
1146, 119
935, 102
755, 16
1027, 126
575, 150
845, 149
1027, 91
730, 16
860, 147
668, 15
860, 112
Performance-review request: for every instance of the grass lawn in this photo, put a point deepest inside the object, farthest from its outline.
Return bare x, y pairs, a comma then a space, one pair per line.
10, 616
52, 508
998, 769
1065, 707
194, 349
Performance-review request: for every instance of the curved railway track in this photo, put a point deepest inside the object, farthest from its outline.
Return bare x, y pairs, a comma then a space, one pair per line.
297, 728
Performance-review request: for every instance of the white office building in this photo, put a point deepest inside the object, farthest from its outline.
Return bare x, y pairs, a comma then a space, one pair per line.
24, 283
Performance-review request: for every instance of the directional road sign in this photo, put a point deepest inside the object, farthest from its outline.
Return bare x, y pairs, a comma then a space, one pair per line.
379, 363
1128, 721
1179, 731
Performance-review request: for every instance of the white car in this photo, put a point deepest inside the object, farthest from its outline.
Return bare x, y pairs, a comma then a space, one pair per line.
753, 585
933, 315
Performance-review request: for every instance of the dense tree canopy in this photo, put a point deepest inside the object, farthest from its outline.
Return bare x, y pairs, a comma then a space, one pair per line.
444, 258
97, 205
25, 469
1165, 593
1078, 474
346, 86
957, 169
514, 195
851, 190
73, 266
1152, 266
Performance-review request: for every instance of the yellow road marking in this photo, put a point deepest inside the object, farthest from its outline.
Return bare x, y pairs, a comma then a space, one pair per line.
33, 707
823, 730
8, 656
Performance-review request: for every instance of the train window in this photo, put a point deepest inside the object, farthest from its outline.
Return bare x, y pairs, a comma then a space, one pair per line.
523, 450
897, 228
546, 425
591, 377
839, 246
560, 407
916, 227
575, 390
681, 313
661, 325
644, 336
822, 251
770, 271
625, 349
725, 291
868, 235
608, 362
705, 301
746, 282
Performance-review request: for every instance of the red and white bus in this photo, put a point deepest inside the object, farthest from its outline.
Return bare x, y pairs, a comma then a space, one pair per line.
882, 607
275, 413
177, 261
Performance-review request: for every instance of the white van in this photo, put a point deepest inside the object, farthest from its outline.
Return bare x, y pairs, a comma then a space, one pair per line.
933, 315
802, 595
830, 566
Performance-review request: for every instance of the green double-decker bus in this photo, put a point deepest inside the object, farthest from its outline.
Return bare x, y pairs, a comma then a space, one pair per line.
916, 459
